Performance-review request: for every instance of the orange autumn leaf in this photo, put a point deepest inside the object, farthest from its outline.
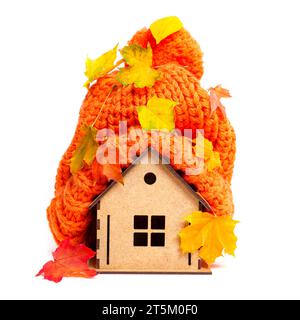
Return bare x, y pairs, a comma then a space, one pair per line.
113, 172
97, 173
68, 261
215, 95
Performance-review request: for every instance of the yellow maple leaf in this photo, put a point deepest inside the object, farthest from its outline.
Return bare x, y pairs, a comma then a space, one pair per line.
86, 150
159, 114
139, 71
101, 66
164, 27
204, 148
214, 161
211, 235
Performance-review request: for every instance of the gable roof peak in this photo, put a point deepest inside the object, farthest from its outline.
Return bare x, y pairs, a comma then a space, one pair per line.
162, 161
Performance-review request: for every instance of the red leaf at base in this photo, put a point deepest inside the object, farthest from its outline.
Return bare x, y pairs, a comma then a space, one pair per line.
69, 261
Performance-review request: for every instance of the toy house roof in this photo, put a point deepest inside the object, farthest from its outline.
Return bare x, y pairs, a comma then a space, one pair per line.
163, 161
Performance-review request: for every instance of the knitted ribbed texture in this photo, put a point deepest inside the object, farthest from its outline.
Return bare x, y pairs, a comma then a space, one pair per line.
179, 59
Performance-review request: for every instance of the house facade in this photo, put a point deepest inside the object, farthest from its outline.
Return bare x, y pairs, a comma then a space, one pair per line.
138, 223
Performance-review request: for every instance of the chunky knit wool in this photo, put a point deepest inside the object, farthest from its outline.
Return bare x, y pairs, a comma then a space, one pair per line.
179, 59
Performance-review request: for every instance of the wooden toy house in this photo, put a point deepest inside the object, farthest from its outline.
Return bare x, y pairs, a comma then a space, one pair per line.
138, 223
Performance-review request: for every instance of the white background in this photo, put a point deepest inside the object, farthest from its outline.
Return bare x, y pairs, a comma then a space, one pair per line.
251, 47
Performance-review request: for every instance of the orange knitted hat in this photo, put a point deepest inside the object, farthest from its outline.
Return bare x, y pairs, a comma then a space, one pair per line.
179, 60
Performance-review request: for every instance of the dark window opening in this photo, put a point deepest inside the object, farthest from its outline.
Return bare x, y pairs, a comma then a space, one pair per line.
158, 222
140, 222
150, 178
157, 239
140, 239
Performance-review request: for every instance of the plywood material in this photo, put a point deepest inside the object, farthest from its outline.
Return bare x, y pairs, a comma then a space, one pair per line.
166, 197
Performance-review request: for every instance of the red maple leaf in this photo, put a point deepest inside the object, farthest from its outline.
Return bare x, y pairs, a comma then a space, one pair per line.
69, 261
215, 94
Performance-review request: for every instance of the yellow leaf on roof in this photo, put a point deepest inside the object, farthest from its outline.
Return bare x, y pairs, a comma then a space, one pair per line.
139, 71
211, 235
101, 66
164, 27
158, 115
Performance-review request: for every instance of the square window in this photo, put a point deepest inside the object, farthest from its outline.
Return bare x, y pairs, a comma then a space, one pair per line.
140, 239
140, 222
157, 239
158, 222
